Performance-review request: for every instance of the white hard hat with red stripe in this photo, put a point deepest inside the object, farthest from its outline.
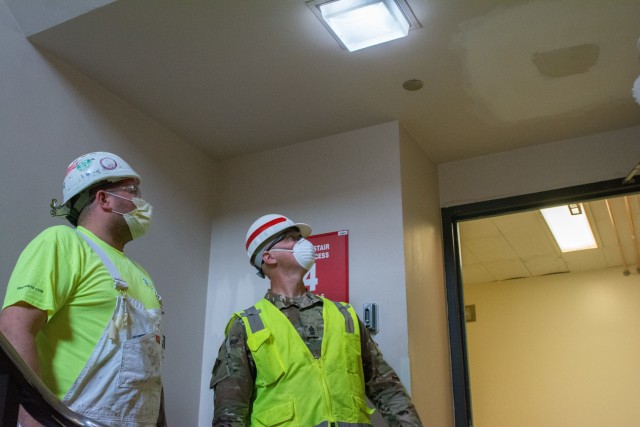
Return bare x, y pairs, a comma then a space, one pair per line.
265, 229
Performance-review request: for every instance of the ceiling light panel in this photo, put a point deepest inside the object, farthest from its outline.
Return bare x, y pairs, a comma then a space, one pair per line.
570, 227
357, 24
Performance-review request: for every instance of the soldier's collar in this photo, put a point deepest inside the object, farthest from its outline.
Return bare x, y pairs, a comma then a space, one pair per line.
306, 300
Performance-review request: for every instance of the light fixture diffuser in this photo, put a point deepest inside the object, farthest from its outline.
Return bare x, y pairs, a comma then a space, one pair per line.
357, 24
570, 227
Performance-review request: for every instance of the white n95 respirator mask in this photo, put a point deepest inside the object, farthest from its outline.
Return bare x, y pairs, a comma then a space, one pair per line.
303, 252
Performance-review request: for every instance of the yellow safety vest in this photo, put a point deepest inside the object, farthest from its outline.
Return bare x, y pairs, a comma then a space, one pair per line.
292, 388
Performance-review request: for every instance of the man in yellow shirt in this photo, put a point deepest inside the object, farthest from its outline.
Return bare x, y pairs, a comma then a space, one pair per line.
84, 317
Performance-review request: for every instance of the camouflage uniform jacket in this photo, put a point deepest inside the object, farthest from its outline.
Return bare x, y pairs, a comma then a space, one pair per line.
234, 371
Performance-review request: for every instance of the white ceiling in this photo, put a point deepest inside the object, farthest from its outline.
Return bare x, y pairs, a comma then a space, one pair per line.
520, 245
241, 76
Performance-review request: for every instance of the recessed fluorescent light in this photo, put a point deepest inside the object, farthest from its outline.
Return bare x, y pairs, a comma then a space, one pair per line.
570, 227
357, 24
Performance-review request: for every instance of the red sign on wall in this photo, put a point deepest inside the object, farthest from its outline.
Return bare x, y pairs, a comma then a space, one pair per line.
329, 276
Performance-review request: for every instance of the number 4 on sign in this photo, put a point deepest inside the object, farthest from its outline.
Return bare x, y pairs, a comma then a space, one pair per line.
310, 279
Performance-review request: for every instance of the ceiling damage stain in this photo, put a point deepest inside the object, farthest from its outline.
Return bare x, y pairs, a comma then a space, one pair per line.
566, 61
526, 62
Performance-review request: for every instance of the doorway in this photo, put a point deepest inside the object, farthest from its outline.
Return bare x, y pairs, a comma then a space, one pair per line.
498, 317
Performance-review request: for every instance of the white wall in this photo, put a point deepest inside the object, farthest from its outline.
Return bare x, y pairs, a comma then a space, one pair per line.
49, 115
348, 181
426, 301
543, 167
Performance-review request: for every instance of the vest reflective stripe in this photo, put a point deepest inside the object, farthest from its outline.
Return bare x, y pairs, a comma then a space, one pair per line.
253, 316
294, 388
344, 309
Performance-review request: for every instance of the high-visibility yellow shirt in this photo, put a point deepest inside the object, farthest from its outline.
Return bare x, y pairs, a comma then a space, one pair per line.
59, 273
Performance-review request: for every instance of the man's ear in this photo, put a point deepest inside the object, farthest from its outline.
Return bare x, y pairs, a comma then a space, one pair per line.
103, 201
267, 258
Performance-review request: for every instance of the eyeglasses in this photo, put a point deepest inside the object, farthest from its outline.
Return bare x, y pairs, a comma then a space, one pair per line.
293, 234
131, 189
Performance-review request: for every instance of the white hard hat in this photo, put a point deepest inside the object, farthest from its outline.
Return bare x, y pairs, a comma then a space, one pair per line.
90, 169
85, 172
265, 229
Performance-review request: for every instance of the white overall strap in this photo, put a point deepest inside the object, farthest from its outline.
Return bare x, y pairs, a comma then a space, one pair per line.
119, 283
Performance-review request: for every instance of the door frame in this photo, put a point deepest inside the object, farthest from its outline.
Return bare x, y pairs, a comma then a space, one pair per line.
453, 267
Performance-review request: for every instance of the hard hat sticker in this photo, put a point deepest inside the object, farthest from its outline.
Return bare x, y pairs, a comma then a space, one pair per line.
108, 163
84, 165
71, 167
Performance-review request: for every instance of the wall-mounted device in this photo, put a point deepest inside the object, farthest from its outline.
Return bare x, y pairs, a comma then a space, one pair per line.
370, 317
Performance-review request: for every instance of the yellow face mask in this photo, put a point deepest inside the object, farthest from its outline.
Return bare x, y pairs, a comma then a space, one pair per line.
138, 219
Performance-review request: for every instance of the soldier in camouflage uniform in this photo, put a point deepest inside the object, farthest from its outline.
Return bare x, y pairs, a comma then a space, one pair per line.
261, 378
